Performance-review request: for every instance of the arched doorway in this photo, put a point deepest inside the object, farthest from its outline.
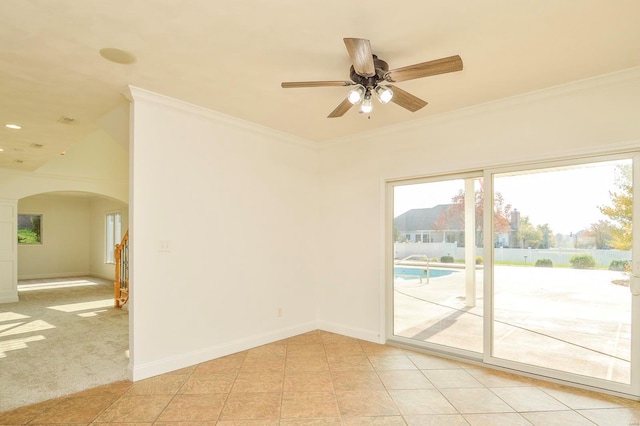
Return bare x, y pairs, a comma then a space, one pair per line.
63, 335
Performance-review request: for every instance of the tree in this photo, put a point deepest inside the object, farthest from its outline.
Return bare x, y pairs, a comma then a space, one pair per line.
502, 214
621, 209
548, 240
528, 234
35, 226
454, 214
601, 231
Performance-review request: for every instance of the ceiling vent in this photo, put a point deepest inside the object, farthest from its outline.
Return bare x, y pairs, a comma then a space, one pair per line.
66, 120
36, 145
18, 161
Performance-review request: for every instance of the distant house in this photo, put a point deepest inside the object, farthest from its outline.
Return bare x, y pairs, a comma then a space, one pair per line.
426, 226
444, 224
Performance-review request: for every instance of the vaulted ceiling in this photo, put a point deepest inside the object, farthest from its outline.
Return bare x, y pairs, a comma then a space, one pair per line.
232, 56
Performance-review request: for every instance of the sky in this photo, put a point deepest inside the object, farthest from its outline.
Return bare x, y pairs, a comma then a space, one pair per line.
566, 199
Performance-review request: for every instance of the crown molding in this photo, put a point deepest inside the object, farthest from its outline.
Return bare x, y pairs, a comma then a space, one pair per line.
587, 85
137, 94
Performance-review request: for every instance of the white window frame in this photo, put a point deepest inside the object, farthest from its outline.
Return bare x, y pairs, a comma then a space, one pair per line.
112, 236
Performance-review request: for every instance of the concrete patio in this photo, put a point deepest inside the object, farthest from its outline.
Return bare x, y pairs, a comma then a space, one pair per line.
576, 321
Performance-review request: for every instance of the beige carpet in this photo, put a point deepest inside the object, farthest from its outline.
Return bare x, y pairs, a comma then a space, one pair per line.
63, 336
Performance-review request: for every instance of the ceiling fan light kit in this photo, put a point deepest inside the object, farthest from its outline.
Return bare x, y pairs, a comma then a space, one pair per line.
385, 94
368, 72
366, 106
356, 94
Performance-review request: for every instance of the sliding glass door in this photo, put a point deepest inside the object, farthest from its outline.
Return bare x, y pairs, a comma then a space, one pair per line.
529, 268
562, 304
437, 265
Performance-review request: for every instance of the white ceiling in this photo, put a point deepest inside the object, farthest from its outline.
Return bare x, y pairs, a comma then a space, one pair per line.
231, 56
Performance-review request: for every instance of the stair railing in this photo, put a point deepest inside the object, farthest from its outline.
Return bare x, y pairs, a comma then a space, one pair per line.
121, 283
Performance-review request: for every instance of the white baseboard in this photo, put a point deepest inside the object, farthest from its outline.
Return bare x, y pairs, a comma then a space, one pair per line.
103, 277
357, 333
143, 371
53, 275
8, 296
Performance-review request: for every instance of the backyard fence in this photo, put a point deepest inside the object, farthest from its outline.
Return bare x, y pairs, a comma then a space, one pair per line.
559, 256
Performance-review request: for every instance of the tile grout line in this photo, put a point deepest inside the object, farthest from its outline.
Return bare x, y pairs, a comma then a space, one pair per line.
284, 375
385, 387
235, 379
108, 406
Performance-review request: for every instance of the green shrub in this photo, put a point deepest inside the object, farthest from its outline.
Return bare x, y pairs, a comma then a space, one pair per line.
479, 260
446, 259
544, 263
619, 265
582, 261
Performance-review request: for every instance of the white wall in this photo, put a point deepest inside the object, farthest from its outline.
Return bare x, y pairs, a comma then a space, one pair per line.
66, 237
206, 185
99, 207
588, 116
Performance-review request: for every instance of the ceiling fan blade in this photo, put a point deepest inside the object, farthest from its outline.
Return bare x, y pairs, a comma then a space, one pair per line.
361, 57
294, 84
406, 100
341, 109
425, 69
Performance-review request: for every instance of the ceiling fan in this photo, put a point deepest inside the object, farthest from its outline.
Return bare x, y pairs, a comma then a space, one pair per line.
367, 74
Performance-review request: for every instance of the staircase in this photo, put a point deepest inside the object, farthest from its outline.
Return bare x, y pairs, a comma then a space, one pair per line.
121, 283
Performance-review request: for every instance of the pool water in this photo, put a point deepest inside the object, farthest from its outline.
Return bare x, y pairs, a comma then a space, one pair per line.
413, 273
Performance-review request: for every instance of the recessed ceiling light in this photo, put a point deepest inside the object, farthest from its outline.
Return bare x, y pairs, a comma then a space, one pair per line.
117, 55
13, 126
1, 150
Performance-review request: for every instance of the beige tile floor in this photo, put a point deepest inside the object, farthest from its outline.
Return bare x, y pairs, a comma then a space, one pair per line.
321, 378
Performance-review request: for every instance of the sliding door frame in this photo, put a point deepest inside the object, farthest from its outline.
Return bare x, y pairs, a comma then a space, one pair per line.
485, 358
488, 253
389, 265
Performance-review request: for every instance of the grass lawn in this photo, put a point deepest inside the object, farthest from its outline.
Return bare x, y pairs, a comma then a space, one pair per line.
28, 236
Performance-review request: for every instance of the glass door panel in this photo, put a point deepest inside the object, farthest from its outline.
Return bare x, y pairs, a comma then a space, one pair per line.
437, 277
561, 297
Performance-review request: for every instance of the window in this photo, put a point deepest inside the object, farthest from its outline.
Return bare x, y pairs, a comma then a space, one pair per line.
113, 235
29, 229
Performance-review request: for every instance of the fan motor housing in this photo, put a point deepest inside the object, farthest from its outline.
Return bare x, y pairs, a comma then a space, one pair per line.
381, 68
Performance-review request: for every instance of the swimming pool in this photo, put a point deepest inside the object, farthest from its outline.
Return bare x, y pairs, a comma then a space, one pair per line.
413, 273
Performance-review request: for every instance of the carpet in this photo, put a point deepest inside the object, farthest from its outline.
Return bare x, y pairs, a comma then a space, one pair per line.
61, 337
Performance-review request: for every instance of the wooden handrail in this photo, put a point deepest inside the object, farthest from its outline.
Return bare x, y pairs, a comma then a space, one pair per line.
121, 283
